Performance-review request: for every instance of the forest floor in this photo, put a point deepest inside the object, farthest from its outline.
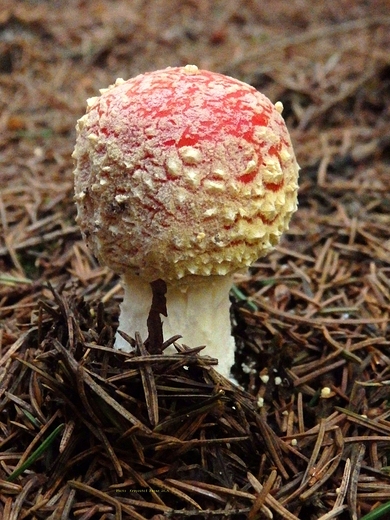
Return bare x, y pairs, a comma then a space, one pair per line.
88, 433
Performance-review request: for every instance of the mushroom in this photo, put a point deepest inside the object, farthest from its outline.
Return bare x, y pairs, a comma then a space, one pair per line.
187, 176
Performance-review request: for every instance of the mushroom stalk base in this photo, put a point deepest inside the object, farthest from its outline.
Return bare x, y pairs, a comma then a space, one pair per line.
198, 310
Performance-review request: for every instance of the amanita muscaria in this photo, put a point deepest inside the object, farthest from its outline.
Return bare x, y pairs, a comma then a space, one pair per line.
188, 176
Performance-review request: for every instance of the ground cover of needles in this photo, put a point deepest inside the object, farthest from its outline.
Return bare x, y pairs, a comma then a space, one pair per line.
88, 433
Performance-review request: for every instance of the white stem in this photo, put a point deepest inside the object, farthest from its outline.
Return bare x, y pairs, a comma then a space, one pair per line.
197, 310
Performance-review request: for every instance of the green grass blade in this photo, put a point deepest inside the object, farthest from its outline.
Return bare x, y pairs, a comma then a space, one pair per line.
380, 512
37, 453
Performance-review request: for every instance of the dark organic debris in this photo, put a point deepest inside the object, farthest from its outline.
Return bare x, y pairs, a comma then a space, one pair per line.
86, 428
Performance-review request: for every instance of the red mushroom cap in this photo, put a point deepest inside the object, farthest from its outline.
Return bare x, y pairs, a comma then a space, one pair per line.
183, 172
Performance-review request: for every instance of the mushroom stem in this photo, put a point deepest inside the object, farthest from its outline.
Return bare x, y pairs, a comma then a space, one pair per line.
198, 310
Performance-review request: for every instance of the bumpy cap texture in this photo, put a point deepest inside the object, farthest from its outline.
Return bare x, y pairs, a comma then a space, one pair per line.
183, 172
